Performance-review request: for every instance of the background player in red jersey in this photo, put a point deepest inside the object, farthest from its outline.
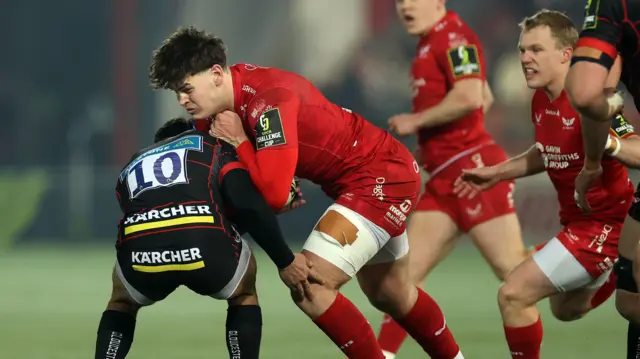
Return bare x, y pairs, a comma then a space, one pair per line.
610, 30
573, 267
282, 126
450, 96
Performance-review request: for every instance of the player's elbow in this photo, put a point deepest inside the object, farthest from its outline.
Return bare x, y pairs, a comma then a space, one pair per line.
471, 101
582, 89
277, 198
582, 97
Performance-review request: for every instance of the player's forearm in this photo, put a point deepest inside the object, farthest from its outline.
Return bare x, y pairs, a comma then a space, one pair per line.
525, 164
487, 98
594, 137
454, 106
254, 215
625, 150
272, 173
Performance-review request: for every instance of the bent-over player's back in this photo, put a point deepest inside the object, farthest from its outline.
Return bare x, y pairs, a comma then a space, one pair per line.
174, 183
331, 139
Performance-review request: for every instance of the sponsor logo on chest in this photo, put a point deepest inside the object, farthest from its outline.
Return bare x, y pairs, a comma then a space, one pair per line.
555, 158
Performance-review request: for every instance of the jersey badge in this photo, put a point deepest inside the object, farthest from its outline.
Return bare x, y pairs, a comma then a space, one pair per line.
464, 60
269, 130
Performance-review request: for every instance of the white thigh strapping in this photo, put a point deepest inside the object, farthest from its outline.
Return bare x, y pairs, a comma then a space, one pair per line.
563, 269
350, 257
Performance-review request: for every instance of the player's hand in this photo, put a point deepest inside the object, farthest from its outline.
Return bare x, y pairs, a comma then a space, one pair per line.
297, 201
298, 276
615, 99
227, 126
404, 124
586, 178
474, 180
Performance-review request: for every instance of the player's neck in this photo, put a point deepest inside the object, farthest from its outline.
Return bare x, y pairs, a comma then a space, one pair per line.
555, 88
231, 98
438, 16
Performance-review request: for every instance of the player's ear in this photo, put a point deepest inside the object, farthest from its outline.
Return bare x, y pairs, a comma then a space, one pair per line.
567, 53
217, 73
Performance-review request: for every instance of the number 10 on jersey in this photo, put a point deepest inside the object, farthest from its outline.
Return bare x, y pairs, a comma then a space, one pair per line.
157, 170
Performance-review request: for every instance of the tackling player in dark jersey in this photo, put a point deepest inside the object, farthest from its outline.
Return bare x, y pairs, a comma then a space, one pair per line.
175, 197
611, 30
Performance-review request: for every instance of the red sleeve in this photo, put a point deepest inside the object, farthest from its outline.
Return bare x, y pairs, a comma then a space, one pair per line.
461, 58
272, 164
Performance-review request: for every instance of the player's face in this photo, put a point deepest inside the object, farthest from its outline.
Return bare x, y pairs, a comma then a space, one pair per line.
419, 16
202, 94
543, 61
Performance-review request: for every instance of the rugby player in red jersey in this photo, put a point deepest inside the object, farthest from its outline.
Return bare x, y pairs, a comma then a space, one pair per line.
450, 97
282, 126
610, 30
573, 268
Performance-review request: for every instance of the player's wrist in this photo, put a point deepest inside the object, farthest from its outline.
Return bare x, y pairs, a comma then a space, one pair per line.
285, 260
236, 142
591, 164
616, 145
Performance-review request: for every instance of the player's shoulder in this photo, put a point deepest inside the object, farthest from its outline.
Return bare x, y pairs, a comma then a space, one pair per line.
192, 139
453, 31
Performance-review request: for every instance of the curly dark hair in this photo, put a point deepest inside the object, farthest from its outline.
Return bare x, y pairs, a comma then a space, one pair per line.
186, 52
172, 128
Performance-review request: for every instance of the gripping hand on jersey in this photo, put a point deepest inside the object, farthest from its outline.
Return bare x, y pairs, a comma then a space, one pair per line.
474, 180
585, 179
227, 126
298, 275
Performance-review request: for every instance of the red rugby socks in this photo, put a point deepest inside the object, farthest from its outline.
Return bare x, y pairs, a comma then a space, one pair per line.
391, 335
349, 330
525, 342
427, 325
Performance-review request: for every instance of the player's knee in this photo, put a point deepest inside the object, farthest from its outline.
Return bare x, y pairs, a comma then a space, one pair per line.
627, 297
568, 312
389, 294
627, 304
510, 295
624, 307
124, 305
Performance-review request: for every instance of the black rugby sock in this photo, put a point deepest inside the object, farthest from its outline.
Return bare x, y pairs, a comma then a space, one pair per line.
633, 341
115, 335
244, 331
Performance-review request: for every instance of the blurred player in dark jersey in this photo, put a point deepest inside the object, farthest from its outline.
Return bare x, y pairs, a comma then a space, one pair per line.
174, 231
573, 268
282, 126
611, 29
450, 97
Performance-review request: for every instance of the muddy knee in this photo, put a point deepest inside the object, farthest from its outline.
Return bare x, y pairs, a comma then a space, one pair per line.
509, 295
246, 293
121, 300
567, 311
627, 304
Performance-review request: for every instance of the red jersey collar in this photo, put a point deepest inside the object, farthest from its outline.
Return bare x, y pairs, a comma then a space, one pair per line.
450, 15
